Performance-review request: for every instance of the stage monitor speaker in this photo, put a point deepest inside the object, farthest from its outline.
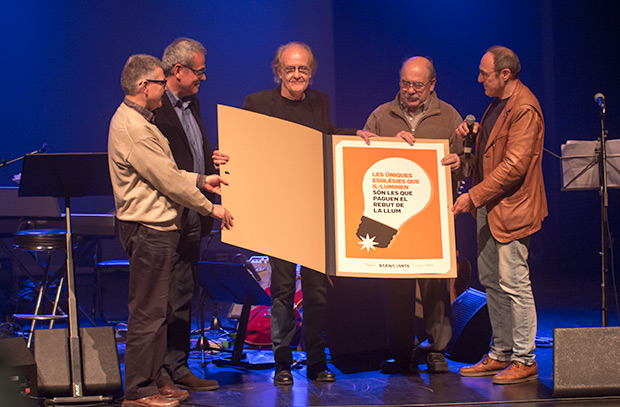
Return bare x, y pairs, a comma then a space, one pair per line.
586, 362
100, 367
471, 328
17, 368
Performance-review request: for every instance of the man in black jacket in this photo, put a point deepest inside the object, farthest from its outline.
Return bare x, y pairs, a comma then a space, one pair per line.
293, 66
179, 120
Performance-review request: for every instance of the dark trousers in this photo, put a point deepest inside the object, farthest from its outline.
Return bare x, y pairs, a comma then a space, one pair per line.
152, 258
179, 321
400, 306
282, 316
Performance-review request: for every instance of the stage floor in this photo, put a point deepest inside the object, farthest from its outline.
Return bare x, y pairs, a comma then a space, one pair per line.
249, 388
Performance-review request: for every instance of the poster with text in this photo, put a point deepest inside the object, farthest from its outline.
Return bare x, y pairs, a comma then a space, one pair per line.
393, 209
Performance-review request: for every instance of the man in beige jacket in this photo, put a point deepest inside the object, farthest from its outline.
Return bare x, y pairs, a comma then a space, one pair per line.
150, 194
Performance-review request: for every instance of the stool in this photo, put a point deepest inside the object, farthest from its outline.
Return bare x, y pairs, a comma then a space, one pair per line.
97, 287
46, 241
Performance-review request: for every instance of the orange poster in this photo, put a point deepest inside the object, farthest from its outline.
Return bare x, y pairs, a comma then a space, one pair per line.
392, 209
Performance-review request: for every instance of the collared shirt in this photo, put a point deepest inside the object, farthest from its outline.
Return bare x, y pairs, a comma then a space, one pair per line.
146, 113
192, 130
414, 119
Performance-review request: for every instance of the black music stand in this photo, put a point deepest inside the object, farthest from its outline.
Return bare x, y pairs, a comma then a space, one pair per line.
594, 165
232, 282
68, 175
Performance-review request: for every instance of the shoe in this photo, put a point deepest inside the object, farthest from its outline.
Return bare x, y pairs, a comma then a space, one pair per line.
517, 372
396, 366
326, 376
192, 383
171, 391
436, 363
486, 367
320, 373
156, 400
283, 377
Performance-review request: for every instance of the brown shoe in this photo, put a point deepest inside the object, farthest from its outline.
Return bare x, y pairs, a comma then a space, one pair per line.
156, 400
517, 372
171, 391
486, 367
192, 383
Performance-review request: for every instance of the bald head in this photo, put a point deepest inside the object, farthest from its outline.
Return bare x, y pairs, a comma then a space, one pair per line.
419, 64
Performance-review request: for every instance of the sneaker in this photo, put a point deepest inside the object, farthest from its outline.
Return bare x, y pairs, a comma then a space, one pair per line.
436, 363
517, 372
486, 367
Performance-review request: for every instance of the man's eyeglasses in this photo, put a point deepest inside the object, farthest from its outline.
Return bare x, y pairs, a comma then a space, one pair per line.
304, 70
417, 86
485, 75
197, 72
159, 82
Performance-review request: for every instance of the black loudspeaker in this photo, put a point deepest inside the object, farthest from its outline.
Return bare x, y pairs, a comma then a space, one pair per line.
586, 362
17, 368
471, 328
100, 367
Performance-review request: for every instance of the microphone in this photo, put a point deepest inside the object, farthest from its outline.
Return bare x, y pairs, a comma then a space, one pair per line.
469, 139
43, 148
599, 98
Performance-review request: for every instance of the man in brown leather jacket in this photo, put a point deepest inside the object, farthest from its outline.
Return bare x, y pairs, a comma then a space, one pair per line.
508, 199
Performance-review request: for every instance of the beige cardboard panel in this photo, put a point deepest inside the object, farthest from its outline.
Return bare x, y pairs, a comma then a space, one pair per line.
276, 192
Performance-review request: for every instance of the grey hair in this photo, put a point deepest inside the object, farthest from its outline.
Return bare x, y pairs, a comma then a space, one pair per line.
136, 68
276, 64
431, 68
505, 58
181, 51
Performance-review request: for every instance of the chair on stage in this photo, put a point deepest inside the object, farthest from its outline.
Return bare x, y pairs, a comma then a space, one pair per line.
230, 282
41, 244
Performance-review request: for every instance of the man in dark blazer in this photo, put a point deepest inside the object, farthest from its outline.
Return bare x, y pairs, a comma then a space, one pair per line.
179, 120
293, 67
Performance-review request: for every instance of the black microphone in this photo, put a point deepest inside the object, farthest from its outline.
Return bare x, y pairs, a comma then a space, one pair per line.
43, 148
469, 139
599, 98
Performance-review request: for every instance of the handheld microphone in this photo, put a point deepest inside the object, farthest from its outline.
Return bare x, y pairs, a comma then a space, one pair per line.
599, 98
469, 139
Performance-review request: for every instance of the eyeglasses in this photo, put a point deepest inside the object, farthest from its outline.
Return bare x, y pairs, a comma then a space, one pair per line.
197, 72
304, 70
485, 75
417, 86
159, 82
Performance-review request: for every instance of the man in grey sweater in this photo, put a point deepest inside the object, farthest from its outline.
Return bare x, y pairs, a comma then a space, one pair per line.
417, 112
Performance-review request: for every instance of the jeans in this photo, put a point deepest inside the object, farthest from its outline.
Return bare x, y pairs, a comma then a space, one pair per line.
505, 274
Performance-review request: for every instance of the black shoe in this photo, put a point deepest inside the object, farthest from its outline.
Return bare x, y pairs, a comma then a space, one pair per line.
283, 377
396, 366
325, 375
436, 363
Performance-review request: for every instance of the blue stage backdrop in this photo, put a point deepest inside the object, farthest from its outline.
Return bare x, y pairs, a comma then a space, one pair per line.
62, 63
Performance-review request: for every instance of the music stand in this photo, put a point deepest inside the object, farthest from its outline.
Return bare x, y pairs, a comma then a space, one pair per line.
68, 175
587, 165
232, 282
